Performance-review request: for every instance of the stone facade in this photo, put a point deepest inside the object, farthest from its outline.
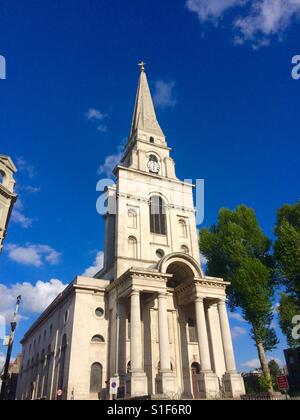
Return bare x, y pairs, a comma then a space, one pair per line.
149, 318
7, 195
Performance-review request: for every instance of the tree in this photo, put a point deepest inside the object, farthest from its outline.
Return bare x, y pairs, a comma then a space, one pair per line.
274, 371
287, 257
238, 251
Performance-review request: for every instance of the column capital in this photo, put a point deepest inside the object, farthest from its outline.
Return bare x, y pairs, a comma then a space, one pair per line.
199, 299
134, 292
222, 302
162, 295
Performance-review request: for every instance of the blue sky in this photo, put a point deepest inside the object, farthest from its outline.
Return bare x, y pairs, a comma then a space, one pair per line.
220, 72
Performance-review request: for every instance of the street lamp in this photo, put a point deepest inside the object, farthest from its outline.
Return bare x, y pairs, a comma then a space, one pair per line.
5, 375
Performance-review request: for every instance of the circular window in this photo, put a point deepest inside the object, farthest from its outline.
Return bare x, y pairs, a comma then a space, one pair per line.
160, 253
99, 312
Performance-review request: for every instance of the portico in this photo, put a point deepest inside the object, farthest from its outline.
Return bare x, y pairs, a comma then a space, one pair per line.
174, 288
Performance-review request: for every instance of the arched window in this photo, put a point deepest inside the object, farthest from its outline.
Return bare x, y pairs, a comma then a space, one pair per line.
96, 378
151, 139
153, 158
62, 362
132, 219
184, 249
128, 366
132, 247
192, 331
98, 339
157, 215
182, 229
2, 177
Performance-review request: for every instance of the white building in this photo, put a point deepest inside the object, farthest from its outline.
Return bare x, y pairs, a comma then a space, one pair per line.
150, 317
7, 195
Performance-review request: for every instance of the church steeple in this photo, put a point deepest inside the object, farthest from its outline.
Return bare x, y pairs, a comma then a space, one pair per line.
147, 149
144, 117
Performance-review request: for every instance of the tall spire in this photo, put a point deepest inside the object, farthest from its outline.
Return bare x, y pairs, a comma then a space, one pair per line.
144, 117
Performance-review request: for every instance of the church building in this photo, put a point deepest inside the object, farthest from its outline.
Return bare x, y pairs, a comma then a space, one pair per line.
150, 318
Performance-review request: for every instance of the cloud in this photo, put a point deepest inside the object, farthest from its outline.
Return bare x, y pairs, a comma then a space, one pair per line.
266, 19
35, 298
29, 189
35, 255
19, 217
251, 364
95, 115
236, 316
211, 10
163, 96
236, 332
2, 360
259, 21
97, 265
111, 161
27, 168
255, 363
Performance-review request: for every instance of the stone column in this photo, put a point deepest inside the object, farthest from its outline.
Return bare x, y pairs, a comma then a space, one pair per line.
135, 332
163, 328
233, 384
226, 338
136, 382
166, 378
202, 336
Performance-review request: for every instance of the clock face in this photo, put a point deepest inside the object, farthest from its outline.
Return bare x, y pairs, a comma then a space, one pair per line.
153, 167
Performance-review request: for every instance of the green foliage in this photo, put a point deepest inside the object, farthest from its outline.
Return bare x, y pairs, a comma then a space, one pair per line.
287, 257
275, 371
238, 251
288, 308
287, 247
265, 383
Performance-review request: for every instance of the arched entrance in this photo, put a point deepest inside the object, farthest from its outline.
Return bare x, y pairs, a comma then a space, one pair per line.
195, 371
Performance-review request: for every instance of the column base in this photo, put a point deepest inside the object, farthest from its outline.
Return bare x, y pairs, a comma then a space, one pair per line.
166, 383
233, 385
136, 384
209, 387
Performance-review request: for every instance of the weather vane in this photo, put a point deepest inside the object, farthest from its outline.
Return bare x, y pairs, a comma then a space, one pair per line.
142, 65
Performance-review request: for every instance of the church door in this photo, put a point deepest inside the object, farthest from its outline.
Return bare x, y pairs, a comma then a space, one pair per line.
195, 369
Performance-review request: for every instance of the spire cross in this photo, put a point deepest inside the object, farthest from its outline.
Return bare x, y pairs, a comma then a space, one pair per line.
142, 66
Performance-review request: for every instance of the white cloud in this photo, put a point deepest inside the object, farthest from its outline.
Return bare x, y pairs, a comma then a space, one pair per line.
111, 161
97, 265
19, 217
31, 254
236, 332
163, 96
29, 189
102, 128
24, 166
258, 22
95, 114
236, 316
255, 363
2, 360
252, 364
267, 18
211, 10
35, 298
